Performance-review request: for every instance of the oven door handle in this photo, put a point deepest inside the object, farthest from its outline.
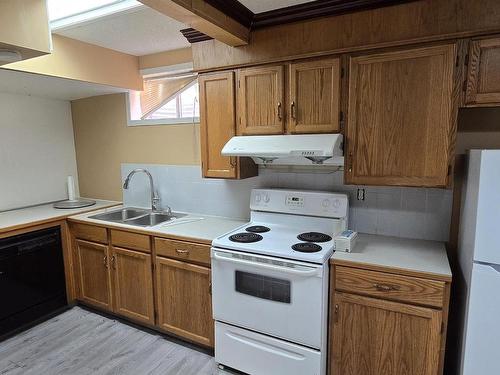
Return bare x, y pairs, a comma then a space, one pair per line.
310, 272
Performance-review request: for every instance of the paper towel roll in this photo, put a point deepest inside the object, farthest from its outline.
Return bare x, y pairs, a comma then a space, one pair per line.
71, 188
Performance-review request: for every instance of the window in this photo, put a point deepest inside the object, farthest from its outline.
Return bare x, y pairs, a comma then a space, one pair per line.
165, 100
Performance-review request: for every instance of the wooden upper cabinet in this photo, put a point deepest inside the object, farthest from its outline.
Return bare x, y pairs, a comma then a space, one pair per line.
314, 102
401, 120
184, 300
218, 125
260, 101
483, 76
377, 337
93, 276
132, 284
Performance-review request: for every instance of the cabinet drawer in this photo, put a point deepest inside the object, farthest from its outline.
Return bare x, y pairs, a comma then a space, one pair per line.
89, 232
183, 250
130, 240
389, 286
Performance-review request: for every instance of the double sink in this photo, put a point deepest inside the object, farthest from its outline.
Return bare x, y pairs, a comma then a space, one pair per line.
137, 216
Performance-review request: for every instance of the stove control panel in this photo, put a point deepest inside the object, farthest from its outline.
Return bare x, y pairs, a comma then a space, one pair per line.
300, 202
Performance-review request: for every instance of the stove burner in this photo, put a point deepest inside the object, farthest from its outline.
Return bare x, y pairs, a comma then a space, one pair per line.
245, 237
314, 237
257, 229
306, 247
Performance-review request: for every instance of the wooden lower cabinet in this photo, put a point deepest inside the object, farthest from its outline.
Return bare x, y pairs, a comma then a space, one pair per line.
132, 285
386, 322
377, 337
92, 274
184, 300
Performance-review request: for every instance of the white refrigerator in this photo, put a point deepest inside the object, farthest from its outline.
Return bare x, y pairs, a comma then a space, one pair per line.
479, 260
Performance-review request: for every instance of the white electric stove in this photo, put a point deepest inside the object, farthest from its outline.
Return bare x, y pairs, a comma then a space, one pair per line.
270, 283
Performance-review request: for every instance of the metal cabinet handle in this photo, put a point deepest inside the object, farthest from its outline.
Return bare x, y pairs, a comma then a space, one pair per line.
210, 287
181, 251
280, 115
350, 162
113, 262
386, 287
232, 161
293, 110
105, 261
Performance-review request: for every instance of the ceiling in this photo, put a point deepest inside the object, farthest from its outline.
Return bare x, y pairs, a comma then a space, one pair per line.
259, 6
50, 87
138, 31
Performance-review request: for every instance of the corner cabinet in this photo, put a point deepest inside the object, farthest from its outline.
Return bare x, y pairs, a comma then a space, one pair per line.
483, 75
401, 117
218, 125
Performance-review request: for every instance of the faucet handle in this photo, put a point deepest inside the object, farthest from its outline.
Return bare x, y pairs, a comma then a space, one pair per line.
154, 203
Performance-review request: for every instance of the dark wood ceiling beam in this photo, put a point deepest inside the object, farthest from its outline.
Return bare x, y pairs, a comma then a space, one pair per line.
318, 8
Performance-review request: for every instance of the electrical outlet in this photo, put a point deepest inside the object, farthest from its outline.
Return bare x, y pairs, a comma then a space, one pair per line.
361, 194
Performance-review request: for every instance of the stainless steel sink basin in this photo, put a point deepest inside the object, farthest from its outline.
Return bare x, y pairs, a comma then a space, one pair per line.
137, 216
154, 218
121, 215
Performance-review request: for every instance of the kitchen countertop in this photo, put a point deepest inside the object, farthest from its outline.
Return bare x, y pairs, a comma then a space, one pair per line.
193, 227
407, 255
34, 215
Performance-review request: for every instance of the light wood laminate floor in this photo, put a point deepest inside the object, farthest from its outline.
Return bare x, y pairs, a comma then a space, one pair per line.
79, 342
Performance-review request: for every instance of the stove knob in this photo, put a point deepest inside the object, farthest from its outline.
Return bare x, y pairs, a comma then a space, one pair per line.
257, 198
336, 203
326, 203
266, 198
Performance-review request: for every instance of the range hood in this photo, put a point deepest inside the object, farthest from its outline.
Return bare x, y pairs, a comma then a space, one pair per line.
288, 150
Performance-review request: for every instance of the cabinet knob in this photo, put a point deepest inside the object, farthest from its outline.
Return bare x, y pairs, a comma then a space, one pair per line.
105, 261
113, 262
293, 110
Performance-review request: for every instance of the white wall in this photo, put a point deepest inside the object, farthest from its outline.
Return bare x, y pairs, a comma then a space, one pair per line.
37, 150
401, 212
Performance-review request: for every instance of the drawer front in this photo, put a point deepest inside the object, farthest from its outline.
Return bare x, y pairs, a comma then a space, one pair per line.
128, 240
390, 286
183, 250
89, 232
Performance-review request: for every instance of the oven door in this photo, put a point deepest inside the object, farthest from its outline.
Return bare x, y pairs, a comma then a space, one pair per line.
282, 298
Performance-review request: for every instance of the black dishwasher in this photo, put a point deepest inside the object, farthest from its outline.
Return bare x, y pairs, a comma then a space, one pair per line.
32, 283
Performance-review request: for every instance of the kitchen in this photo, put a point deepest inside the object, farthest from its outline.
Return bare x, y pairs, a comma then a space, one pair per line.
249, 187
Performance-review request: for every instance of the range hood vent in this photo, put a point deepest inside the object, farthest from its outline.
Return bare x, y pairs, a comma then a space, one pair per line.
292, 150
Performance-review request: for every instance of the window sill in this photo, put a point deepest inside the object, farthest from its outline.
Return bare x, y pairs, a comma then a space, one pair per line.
172, 121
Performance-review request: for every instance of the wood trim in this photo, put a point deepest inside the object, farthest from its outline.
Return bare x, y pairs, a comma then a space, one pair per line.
194, 36
392, 270
89, 232
411, 23
234, 9
315, 9
183, 251
140, 231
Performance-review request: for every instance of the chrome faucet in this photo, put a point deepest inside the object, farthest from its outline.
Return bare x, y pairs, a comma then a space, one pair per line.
155, 200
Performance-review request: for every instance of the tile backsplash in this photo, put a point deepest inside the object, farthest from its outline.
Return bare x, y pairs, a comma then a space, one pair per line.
401, 212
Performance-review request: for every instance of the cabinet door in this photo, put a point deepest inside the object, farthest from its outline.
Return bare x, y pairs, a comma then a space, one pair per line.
260, 101
314, 96
217, 123
133, 284
93, 275
401, 121
377, 337
483, 76
184, 300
